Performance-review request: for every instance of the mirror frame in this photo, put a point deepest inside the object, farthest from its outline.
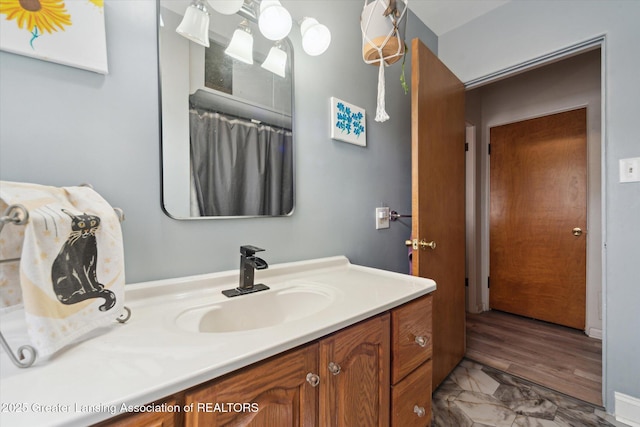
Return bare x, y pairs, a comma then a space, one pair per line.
249, 14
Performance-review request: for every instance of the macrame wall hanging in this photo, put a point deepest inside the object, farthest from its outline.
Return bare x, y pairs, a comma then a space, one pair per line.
383, 25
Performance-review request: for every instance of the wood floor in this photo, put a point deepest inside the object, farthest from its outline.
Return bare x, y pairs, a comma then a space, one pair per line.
559, 358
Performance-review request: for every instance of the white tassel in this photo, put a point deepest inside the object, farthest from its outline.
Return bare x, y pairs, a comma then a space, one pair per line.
381, 114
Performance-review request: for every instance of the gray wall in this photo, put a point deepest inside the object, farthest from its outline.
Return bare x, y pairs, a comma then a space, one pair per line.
523, 30
65, 126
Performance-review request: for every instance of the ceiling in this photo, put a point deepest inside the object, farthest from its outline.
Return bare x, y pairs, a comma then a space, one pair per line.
442, 16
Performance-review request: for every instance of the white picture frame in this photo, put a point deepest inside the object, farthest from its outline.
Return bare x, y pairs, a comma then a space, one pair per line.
348, 122
66, 32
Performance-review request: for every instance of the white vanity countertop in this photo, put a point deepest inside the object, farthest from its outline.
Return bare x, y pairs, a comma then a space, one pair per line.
151, 357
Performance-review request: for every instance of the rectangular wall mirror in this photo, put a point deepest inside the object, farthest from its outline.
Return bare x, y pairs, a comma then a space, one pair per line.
226, 125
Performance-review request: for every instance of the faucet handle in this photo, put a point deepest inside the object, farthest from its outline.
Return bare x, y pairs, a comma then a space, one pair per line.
249, 250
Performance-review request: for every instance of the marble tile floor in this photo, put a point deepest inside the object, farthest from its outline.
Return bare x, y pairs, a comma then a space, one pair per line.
475, 395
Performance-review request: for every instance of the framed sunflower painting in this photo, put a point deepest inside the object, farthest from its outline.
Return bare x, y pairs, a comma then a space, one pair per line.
69, 32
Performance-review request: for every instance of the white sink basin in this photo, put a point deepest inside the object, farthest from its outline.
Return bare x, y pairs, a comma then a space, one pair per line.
259, 310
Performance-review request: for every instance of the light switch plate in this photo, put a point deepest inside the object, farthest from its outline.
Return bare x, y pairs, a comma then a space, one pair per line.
630, 169
382, 218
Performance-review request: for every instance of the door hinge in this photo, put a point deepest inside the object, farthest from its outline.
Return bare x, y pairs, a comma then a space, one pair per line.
489, 149
466, 146
466, 282
488, 281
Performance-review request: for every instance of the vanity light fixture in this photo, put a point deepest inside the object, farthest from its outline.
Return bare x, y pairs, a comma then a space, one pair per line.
195, 23
276, 61
274, 20
241, 46
316, 37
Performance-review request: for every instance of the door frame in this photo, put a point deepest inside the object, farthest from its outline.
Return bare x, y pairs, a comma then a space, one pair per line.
481, 285
473, 302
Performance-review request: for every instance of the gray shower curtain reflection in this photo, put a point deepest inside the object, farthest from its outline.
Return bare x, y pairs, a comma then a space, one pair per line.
240, 167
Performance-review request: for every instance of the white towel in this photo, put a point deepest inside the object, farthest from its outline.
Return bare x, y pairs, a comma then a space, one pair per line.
71, 269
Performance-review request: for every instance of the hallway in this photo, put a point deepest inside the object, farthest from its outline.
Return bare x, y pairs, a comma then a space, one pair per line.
559, 358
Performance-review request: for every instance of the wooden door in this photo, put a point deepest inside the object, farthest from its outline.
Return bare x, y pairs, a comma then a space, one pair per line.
355, 377
538, 196
274, 393
438, 200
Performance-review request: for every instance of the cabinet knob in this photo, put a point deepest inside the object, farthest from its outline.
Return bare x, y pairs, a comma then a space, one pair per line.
419, 411
313, 379
334, 368
421, 341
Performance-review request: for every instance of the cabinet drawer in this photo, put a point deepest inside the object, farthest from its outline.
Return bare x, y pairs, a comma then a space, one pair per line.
411, 399
411, 337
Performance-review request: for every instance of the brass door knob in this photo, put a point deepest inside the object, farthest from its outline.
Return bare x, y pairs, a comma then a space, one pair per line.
423, 244
577, 231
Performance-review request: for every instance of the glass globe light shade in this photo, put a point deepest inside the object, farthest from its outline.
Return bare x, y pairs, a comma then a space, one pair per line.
226, 7
275, 21
316, 37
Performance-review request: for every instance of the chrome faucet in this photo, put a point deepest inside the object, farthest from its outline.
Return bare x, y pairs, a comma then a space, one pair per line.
248, 264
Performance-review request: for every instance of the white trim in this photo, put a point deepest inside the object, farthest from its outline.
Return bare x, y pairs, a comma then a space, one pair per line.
595, 333
540, 61
603, 216
472, 302
627, 409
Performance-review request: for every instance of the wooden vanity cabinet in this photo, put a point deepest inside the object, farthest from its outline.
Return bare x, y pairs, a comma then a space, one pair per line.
411, 366
373, 373
352, 366
271, 393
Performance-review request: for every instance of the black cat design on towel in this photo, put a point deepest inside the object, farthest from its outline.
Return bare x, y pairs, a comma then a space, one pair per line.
73, 272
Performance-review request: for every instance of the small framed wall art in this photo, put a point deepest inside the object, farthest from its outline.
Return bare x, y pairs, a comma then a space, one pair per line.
348, 122
67, 32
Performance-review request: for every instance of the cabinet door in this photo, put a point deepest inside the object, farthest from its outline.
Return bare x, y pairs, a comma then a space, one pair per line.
148, 419
411, 399
271, 393
354, 372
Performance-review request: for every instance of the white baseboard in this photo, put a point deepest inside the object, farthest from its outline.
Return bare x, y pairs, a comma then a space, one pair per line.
595, 333
476, 309
627, 409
